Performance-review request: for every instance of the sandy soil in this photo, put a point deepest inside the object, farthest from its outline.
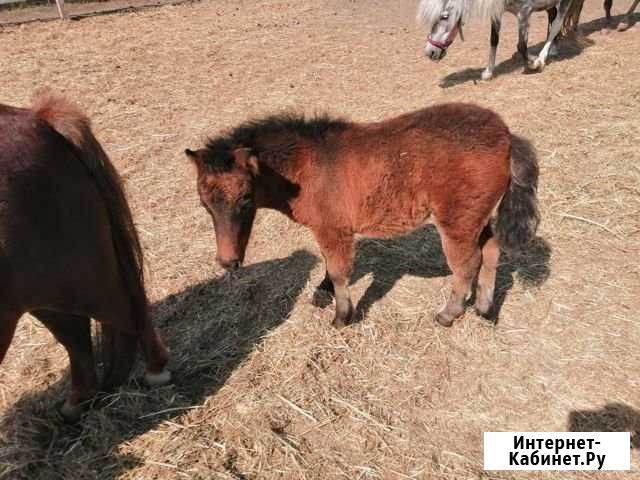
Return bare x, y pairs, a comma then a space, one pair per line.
264, 387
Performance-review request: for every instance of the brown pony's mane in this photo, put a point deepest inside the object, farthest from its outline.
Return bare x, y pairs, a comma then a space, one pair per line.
254, 134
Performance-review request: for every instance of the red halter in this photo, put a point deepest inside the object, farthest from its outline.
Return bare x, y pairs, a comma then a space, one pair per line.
450, 38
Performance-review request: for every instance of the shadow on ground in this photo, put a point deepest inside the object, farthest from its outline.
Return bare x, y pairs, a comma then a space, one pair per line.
613, 417
568, 48
210, 329
420, 254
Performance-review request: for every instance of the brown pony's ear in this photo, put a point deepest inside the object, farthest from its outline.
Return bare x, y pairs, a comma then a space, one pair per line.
195, 157
246, 160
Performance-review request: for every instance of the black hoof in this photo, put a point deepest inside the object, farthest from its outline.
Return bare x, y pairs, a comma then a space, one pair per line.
444, 319
68, 413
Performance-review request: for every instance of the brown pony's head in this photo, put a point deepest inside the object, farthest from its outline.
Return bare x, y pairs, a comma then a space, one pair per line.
226, 188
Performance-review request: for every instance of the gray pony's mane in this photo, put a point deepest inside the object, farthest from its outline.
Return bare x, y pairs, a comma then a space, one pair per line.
429, 11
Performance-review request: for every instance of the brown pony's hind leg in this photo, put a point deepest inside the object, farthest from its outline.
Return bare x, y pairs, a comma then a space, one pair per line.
463, 258
487, 275
338, 251
74, 333
155, 355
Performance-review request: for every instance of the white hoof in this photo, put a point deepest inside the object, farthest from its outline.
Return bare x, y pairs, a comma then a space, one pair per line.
624, 25
538, 64
157, 379
486, 75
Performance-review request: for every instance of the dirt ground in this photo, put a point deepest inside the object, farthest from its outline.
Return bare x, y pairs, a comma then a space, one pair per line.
264, 387
16, 14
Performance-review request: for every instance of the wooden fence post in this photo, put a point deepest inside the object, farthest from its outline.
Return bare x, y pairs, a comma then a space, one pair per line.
60, 4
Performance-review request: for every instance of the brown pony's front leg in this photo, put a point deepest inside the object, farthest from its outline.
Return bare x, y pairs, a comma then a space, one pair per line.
337, 249
326, 285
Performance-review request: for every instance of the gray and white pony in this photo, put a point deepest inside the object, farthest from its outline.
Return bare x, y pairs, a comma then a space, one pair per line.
445, 18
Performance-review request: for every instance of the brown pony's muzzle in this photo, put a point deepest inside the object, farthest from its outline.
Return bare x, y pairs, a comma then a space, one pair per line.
230, 265
230, 253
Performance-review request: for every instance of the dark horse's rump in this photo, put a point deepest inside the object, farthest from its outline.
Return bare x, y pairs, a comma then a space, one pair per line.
68, 247
454, 164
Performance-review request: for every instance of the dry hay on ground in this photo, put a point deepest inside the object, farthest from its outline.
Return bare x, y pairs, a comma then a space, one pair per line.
264, 387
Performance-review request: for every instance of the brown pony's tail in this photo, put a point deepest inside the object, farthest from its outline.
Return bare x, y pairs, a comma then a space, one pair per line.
74, 125
518, 216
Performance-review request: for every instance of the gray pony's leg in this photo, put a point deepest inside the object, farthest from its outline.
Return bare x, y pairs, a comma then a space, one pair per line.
487, 74
625, 23
552, 13
539, 63
523, 34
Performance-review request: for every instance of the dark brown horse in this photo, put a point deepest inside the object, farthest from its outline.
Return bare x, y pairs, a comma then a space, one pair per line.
454, 164
573, 15
68, 247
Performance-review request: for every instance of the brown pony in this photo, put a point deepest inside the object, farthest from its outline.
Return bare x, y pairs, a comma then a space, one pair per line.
68, 247
454, 164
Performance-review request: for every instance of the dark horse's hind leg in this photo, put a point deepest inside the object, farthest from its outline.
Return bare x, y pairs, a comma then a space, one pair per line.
607, 9
74, 333
8, 320
463, 258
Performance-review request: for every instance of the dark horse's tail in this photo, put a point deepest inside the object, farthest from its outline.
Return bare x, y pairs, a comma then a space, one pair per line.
518, 216
118, 348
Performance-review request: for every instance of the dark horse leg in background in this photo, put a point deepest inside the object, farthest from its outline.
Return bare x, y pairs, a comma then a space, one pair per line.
607, 9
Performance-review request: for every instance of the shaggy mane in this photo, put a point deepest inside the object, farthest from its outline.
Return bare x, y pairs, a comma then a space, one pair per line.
254, 133
429, 11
